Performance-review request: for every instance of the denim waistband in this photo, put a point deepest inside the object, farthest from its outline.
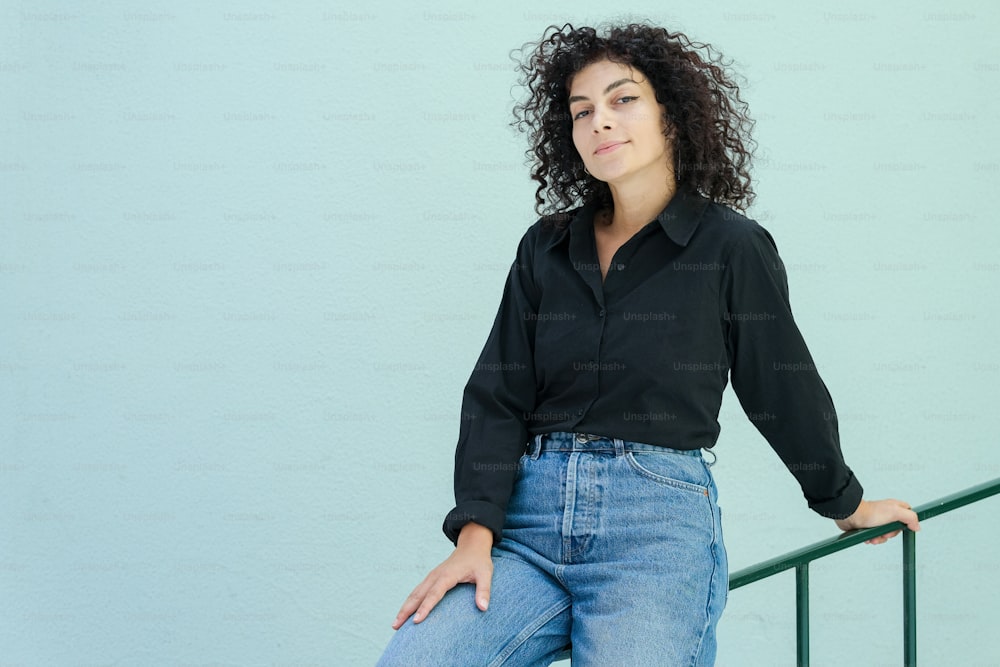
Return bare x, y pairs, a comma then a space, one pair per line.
564, 441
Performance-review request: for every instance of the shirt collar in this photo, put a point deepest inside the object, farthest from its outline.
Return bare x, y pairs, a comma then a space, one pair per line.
678, 219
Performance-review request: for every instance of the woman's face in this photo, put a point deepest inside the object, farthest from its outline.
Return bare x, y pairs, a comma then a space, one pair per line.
618, 125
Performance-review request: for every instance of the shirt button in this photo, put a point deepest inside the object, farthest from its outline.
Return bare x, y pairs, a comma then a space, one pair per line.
601, 313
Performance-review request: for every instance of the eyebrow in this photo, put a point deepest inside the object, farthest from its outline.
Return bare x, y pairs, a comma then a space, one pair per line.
619, 82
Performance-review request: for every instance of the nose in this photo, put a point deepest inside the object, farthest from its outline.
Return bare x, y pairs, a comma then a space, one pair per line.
600, 119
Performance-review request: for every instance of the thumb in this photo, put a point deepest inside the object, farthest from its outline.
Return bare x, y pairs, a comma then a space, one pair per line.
483, 582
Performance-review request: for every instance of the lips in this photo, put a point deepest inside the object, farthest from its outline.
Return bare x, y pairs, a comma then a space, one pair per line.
607, 147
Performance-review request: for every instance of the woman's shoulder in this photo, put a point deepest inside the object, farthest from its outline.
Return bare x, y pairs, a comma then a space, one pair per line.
729, 229
728, 222
550, 227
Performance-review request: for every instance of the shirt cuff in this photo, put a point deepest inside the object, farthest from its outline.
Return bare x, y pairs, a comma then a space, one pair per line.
844, 505
482, 512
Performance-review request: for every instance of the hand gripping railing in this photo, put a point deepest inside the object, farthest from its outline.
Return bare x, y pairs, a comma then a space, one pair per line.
800, 559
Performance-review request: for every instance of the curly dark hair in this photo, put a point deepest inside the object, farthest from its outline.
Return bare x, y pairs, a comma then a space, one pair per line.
703, 105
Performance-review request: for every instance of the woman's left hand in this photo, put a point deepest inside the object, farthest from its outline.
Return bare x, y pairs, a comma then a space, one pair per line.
872, 513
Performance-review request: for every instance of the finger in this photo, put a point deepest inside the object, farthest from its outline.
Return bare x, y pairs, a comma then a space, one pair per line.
411, 603
483, 584
882, 539
430, 600
906, 515
404, 613
911, 520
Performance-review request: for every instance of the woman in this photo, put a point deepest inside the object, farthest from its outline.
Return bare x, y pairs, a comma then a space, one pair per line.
585, 512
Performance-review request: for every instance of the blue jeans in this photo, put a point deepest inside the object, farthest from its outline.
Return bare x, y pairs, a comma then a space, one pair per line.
613, 546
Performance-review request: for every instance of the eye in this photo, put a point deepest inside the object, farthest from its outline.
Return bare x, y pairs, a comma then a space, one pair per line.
625, 98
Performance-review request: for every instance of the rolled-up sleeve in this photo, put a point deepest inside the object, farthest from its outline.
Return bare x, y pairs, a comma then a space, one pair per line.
497, 398
775, 378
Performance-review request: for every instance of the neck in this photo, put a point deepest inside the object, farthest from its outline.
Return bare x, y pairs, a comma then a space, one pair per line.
636, 204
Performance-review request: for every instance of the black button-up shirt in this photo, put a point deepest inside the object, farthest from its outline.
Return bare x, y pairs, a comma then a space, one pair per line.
695, 297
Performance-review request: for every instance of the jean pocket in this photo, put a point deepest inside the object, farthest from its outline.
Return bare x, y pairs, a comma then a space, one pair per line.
687, 473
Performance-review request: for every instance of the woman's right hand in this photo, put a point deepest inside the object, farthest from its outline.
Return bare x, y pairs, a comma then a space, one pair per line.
469, 563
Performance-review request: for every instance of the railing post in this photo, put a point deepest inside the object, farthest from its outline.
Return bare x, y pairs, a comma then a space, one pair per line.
802, 614
800, 559
909, 598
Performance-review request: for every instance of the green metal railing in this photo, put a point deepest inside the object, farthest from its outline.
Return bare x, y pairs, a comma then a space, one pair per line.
800, 559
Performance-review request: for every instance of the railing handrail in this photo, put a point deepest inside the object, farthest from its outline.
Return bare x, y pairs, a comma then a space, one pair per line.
832, 545
800, 559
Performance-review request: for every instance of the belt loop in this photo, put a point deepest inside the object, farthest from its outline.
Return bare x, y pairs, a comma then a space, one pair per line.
536, 448
714, 458
619, 447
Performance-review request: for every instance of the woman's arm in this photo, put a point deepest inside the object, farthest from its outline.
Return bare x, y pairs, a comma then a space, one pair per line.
498, 396
774, 374
492, 437
775, 378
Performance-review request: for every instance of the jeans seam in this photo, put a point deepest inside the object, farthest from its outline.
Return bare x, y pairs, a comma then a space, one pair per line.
569, 507
526, 633
711, 586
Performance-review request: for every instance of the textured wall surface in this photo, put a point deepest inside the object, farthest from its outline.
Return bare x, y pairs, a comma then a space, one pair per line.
249, 253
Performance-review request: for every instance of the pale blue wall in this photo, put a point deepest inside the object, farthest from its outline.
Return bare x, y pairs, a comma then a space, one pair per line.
249, 255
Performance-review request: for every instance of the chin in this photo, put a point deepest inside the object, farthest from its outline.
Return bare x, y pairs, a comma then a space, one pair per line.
610, 178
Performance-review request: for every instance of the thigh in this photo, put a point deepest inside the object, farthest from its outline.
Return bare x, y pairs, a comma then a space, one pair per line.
656, 615
527, 623
653, 580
